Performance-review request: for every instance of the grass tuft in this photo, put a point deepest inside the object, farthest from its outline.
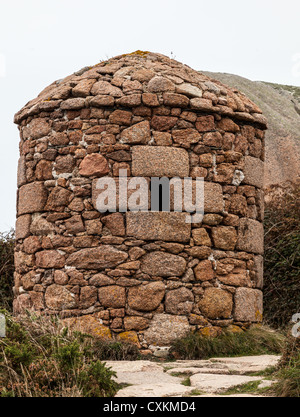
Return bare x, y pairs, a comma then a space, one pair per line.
255, 341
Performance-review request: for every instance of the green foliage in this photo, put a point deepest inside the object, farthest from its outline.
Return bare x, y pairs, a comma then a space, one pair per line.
40, 358
249, 387
7, 242
255, 341
116, 350
98, 381
282, 258
69, 356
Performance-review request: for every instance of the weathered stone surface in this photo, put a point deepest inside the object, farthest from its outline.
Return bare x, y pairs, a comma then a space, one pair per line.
120, 117
112, 296
132, 100
94, 165
201, 237
213, 198
216, 304
41, 227
204, 271
200, 252
240, 279
90, 323
32, 198
250, 236
88, 296
159, 161
38, 128
189, 90
102, 101
201, 104
179, 301
224, 237
75, 224
23, 262
115, 223
58, 297
135, 323
64, 164
58, 199
175, 100
104, 87
174, 327
21, 178
32, 244
101, 280
146, 297
60, 277
248, 305
158, 226
160, 85
97, 258
50, 259
23, 226
254, 172
205, 123
73, 104
44, 170
163, 123
186, 137
83, 88
136, 134
163, 264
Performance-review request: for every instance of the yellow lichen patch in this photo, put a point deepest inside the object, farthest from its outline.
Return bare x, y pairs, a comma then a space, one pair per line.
129, 337
234, 329
90, 324
210, 331
258, 316
138, 52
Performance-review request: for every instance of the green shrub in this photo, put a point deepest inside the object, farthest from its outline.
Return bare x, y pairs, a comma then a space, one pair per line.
115, 350
255, 341
97, 381
7, 242
40, 358
282, 257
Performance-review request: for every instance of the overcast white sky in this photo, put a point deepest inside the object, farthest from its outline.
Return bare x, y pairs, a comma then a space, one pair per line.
45, 40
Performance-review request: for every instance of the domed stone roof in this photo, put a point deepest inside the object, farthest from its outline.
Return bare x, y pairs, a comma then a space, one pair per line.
121, 80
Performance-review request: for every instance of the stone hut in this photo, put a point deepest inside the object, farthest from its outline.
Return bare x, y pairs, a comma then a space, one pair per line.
148, 277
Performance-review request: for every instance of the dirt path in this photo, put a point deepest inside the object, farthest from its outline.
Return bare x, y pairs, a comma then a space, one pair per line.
190, 378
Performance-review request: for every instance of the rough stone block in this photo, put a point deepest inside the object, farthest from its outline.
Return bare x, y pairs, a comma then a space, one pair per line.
250, 236
21, 171
173, 328
32, 198
179, 301
23, 226
163, 264
159, 161
248, 305
146, 297
254, 172
216, 304
158, 226
97, 258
